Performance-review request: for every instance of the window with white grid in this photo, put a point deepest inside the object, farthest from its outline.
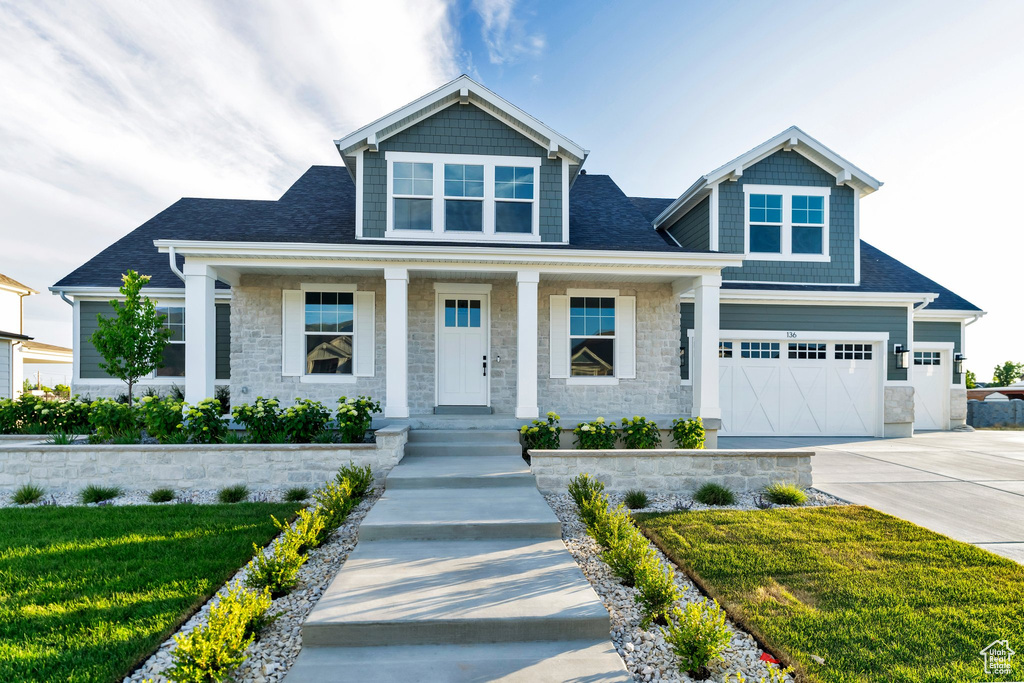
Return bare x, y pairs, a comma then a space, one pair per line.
759, 349
725, 349
853, 351
927, 358
807, 351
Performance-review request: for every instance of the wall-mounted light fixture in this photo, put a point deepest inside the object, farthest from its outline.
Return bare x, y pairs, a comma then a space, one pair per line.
902, 356
958, 363
682, 355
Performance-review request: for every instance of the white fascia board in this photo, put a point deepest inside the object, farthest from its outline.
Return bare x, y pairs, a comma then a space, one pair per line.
329, 255
938, 315
467, 90
818, 298
797, 140
686, 201
156, 293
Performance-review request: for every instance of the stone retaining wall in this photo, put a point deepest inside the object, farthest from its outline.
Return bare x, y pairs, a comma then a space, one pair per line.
149, 467
671, 470
995, 413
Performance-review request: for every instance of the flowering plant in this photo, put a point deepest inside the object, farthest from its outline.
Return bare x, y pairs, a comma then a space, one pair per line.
304, 420
160, 417
595, 435
203, 423
111, 419
355, 415
262, 420
541, 435
640, 433
688, 433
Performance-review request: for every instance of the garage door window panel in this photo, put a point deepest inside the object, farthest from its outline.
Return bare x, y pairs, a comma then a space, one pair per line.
807, 351
763, 350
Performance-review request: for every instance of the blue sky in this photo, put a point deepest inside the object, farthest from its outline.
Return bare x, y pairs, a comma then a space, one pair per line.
111, 111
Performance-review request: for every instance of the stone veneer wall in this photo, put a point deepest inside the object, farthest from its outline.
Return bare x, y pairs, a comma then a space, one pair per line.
899, 411
957, 406
195, 466
671, 471
656, 389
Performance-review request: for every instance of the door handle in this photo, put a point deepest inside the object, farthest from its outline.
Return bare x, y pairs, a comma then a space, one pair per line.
485, 366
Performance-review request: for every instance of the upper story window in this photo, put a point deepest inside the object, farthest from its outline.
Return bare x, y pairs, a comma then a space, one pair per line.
174, 352
453, 197
787, 223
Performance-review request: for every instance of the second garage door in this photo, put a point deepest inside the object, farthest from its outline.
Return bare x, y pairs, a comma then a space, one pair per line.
780, 388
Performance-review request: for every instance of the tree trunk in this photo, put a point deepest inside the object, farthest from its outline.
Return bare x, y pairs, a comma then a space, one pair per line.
130, 383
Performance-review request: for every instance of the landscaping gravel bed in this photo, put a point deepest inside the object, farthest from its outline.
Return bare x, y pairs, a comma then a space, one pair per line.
269, 658
647, 655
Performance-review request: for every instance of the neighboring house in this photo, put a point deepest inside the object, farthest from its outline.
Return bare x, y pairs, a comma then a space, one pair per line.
1015, 390
16, 347
461, 258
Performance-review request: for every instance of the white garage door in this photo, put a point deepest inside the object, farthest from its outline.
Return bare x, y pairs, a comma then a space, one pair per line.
780, 388
931, 379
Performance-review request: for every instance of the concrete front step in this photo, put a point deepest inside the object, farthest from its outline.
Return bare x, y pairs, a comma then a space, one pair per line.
536, 662
503, 436
416, 593
462, 448
458, 472
418, 514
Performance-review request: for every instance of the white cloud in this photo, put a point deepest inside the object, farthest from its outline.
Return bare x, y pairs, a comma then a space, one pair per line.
111, 111
504, 33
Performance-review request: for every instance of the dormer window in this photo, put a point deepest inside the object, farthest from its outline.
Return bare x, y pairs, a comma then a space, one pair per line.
462, 196
786, 223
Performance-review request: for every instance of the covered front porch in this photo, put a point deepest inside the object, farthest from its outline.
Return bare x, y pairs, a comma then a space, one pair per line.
506, 334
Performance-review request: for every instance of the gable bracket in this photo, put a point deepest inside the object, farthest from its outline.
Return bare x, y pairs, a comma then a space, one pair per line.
790, 144
464, 95
843, 176
371, 142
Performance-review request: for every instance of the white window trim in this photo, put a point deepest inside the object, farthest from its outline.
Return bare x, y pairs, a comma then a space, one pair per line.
787, 192
437, 217
154, 374
593, 293
307, 378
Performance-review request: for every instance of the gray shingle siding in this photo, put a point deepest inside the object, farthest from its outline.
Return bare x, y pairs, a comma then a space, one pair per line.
89, 358
461, 129
936, 331
789, 168
691, 231
891, 319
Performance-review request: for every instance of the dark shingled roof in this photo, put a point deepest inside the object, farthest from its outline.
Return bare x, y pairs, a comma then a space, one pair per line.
320, 208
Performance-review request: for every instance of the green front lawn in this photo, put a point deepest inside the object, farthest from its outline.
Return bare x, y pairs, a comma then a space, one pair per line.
878, 598
87, 593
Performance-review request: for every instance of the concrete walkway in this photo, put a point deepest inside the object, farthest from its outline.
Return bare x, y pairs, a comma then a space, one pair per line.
966, 485
460, 574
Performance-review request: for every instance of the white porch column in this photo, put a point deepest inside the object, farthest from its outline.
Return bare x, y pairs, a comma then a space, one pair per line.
396, 331
705, 346
526, 344
200, 331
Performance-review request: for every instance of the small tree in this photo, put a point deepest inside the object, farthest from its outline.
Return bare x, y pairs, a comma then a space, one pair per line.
970, 380
132, 342
1007, 373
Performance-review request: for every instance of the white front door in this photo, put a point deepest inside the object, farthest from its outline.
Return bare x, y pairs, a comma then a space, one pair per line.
931, 377
781, 388
462, 363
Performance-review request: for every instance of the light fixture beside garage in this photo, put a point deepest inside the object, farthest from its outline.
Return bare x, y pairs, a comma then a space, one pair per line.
958, 363
902, 356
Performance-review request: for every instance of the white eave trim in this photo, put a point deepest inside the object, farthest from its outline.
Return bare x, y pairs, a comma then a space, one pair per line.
828, 298
427, 253
468, 91
949, 315
155, 293
689, 199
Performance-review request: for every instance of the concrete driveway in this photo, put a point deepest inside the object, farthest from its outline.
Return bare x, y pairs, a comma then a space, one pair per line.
967, 485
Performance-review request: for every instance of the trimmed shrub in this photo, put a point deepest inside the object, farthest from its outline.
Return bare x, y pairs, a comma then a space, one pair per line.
640, 433
688, 433
203, 422
233, 494
304, 420
714, 494
542, 435
296, 495
98, 494
583, 487
355, 415
595, 435
785, 494
656, 590
334, 501
161, 496
160, 417
594, 513
278, 571
261, 419
697, 634
210, 652
28, 494
636, 499
110, 419
606, 523
307, 532
360, 479
626, 552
